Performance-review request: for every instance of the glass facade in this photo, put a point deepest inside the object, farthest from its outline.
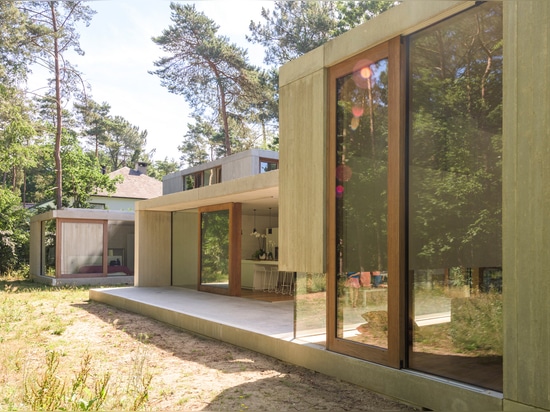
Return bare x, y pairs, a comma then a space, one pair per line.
48, 248
417, 152
361, 203
455, 197
310, 307
81, 247
207, 177
120, 248
214, 262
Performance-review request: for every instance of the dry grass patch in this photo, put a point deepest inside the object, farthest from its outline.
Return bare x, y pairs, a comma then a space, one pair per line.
64, 352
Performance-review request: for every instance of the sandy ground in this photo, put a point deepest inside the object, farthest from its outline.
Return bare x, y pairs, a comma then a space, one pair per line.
195, 373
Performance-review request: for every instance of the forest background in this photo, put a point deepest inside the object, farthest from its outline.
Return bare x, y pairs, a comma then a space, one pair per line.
57, 141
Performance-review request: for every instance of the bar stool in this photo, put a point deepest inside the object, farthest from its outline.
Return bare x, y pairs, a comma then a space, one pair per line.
273, 279
287, 283
259, 277
268, 280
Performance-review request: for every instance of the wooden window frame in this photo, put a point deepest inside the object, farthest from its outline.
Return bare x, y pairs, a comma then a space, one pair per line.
235, 223
59, 241
395, 354
267, 160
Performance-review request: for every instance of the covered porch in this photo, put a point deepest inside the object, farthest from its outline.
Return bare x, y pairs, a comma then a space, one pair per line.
210, 238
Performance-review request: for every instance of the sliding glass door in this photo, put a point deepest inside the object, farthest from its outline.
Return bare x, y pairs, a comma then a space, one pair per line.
415, 201
220, 249
363, 90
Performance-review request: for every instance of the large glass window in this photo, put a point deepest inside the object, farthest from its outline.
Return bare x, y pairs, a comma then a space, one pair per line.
212, 176
415, 265
361, 203
49, 236
215, 249
81, 247
120, 248
455, 197
310, 307
267, 165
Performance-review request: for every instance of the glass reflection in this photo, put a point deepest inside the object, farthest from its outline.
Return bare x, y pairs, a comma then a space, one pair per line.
49, 236
81, 248
455, 199
361, 203
310, 307
215, 248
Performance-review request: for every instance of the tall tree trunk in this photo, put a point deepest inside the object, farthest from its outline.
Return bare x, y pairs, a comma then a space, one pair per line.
24, 188
57, 149
223, 104
14, 179
223, 109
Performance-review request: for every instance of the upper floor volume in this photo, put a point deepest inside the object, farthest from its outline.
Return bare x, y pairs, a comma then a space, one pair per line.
248, 163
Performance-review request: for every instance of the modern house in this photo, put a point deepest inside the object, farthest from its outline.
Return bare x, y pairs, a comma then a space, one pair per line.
248, 163
91, 246
412, 210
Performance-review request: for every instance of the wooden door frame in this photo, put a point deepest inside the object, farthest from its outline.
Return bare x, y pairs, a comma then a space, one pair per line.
394, 356
60, 221
235, 224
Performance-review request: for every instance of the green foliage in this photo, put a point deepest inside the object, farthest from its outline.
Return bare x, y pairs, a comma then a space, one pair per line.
14, 46
50, 392
14, 232
456, 144
354, 13
202, 143
83, 176
215, 246
294, 28
52, 32
212, 74
161, 168
476, 323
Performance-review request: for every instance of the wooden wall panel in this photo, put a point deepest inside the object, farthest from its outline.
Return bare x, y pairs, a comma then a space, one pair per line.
302, 173
526, 217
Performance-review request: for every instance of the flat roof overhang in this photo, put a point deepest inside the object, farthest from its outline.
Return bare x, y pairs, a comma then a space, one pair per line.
259, 192
88, 214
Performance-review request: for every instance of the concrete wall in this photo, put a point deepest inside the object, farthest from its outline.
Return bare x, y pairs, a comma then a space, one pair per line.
153, 248
235, 166
115, 203
185, 249
526, 219
302, 169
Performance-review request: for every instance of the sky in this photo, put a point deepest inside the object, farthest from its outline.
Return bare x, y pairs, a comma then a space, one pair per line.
119, 53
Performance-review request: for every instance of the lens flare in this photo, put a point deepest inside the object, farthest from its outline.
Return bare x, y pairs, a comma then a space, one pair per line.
357, 111
362, 72
365, 72
354, 123
343, 173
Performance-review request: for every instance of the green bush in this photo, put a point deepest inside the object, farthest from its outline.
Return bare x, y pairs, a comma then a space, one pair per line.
14, 233
476, 323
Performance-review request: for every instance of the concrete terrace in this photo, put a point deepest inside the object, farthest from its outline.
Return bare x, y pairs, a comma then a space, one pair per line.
268, 328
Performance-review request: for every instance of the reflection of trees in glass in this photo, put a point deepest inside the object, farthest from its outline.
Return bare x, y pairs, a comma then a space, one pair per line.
215, 247
49, 239
361, 173
455, 143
